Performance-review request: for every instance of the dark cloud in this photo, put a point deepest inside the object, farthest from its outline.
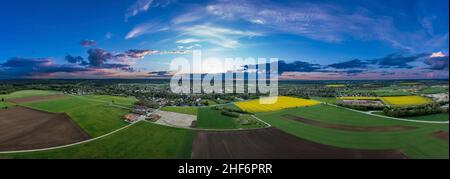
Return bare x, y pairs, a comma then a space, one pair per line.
133, 53
31, 67
353, 72
356, 63
97, 57
88, 43
397, 61
296, 66
76, 60
437, 63
160, 74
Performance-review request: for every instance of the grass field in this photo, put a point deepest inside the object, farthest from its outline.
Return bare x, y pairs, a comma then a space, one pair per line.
406, 100
281, 102
4, 104
209, 118
417, 143
431, 117
330, 100
182, 110
140, 141
27, 93
434, 90
94, 114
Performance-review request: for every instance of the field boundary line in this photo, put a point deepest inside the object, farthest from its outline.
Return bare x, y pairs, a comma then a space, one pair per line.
387, 117
69, 145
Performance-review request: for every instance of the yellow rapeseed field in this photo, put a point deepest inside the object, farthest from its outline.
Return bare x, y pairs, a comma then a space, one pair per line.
359, 98
394, 100
282, 102
406, 100
335, 86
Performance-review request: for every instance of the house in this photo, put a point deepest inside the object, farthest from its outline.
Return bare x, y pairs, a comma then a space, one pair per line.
142, 110
154, 117
131, 118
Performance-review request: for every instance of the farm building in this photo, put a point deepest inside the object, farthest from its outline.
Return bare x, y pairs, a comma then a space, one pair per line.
154, 117
131, 118
142, 110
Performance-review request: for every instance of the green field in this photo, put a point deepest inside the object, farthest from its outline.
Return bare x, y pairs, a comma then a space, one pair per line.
434, 90
182, 110
431, 117
27, 93
331, 100
417, 143
140, 141
94, 114
4, 105
209, 118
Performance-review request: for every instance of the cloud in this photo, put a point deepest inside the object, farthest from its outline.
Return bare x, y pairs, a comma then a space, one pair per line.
356, 63
146, 28
138, 7
328, 22
296, 66
88, 43
224, 37
109, 35
160, 74
188, 41
398, 61
97, 57
75, 60
35, 67
141, 6
133, 53
438, 61
437, 54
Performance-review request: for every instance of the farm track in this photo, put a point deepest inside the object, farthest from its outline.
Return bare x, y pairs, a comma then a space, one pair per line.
349, 127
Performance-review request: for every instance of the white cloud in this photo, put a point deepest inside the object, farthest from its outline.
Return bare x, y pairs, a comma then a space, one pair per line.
143, 6
146, 28
437, 54
225, 37
188, 41
138, 7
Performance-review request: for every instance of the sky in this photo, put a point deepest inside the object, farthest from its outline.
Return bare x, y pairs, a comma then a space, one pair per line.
312, 39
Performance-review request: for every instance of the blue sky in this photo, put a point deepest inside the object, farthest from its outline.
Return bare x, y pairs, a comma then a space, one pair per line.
346, 39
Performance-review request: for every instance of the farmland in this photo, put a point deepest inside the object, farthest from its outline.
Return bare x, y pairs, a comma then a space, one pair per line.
94, 114
24, 128
282, 102
4, 104
142, 140
27, 93
430, 117
182, 110
406, 100
209, 118
417, 143
394, 100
